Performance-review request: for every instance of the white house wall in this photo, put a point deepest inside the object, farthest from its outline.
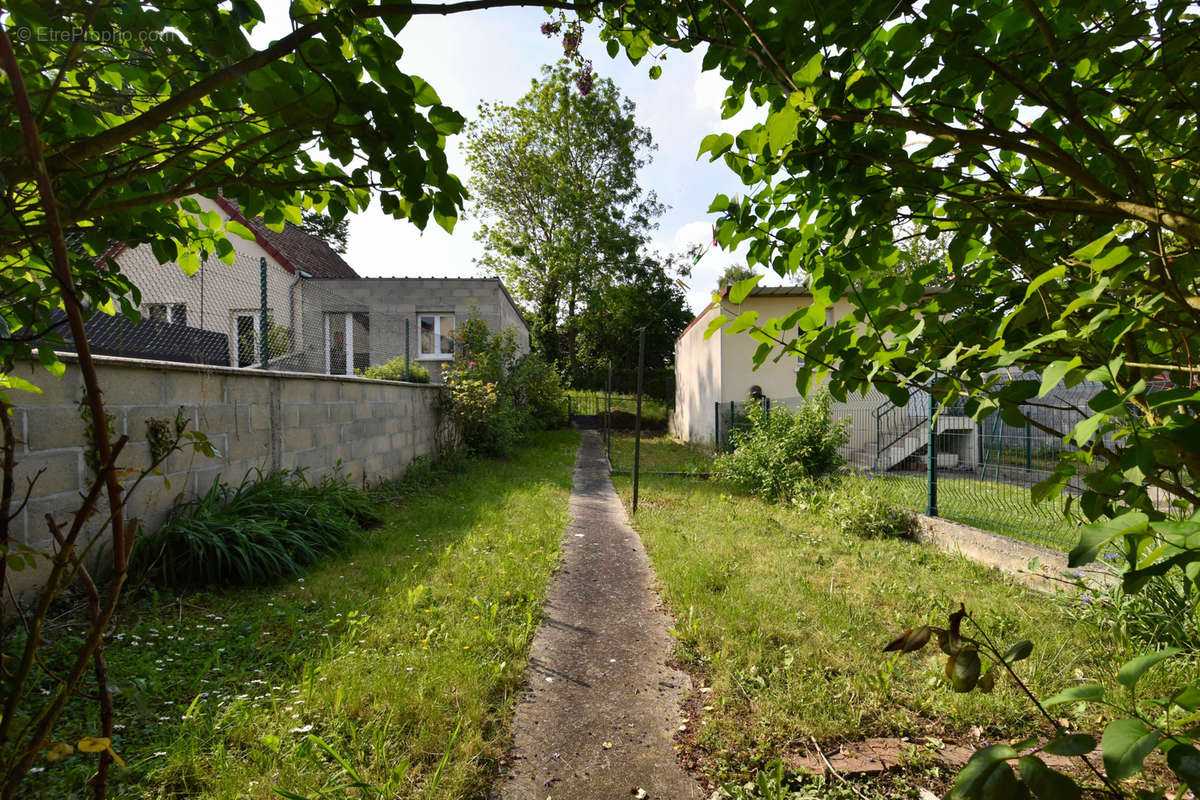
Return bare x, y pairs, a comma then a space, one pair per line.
214, 292
698, 382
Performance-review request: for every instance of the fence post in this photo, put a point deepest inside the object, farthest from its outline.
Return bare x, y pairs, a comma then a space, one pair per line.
767, 407
407, 373
932, 505
637, 423
1028, 448
716, 426
608, 416
729, 430
262, 321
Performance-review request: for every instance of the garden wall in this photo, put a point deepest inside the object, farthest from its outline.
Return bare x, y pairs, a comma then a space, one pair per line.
255, 419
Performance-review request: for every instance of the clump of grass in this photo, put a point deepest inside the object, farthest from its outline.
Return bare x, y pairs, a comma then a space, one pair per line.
272, 526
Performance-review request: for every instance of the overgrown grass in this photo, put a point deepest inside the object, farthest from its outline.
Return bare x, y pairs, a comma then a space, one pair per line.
654, 412
405, 651
659, 454
785, 620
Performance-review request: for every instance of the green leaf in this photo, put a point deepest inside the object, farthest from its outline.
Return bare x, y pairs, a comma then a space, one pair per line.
1054, 273
1093, 249
715, 325
1129, 674
742, 322
1125, 745
1045, 783
740, 290
963, 670
808, 74
233, 226
1073, 694
781, 127
1184, 760
1070, 744
1055, 372
983, 768
1095, 536
1018, 652
655, 72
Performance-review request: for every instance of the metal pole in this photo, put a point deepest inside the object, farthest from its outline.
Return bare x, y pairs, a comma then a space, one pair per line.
262, 323
1028, 448
717, 425
608, 416
637, 423
932, 505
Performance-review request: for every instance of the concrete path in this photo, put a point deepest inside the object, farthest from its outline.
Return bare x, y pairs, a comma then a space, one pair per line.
602, 707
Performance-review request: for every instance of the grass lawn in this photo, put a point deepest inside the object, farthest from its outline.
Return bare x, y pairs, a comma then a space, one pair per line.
404, 655
654, 412
785, 620
659, 454
995, 506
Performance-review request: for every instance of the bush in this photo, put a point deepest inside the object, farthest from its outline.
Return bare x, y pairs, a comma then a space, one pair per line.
394, 371
776, 453
494, 395
269, 527
855, 506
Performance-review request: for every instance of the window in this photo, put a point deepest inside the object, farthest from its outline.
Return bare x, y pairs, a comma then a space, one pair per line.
173, 313
246, 325
347, 342
436, 339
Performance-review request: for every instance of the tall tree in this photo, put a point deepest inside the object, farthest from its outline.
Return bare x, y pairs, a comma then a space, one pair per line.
734, 273
650, 295
335, 233
555, 184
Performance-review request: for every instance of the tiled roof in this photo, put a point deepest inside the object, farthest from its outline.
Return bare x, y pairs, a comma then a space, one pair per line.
294, 248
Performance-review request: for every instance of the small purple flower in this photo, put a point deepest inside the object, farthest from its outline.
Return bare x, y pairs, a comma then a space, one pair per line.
551, 28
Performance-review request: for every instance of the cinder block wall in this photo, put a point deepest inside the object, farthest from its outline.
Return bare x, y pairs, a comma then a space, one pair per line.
255, 419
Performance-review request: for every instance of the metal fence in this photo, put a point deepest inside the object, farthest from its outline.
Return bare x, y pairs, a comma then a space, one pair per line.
256, 317
941, 462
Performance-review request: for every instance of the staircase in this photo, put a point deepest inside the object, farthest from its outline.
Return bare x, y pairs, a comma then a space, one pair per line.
903, 431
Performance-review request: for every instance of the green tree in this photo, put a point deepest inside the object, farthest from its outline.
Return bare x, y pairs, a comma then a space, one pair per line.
335, 233
651, 296
554, 183
734, 273
120, 113
1052, 146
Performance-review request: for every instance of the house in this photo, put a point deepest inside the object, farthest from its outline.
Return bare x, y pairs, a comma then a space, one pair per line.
322, 316
714, 376
417, 317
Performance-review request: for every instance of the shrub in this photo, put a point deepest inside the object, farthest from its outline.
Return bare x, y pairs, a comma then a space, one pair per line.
775, 453
394, 371
494, 395
269, 527
855, 506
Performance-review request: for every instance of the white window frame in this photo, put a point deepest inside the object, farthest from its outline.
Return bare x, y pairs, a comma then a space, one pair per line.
437, 335
349, 322
256, 317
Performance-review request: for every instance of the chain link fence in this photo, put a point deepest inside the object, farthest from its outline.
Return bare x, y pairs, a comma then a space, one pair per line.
256, 319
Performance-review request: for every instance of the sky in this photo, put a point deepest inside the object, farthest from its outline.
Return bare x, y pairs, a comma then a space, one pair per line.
492, 56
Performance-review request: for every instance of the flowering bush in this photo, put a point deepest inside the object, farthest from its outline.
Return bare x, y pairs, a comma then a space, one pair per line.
495, 395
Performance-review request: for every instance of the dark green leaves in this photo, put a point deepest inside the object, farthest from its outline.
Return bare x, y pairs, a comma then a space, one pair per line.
1095, 536
1125, 745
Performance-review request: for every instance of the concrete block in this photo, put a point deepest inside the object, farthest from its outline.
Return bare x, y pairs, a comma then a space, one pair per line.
297, 390
62, 469
311, 415
49, 427
297, 439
